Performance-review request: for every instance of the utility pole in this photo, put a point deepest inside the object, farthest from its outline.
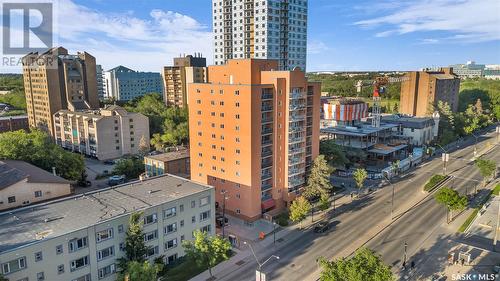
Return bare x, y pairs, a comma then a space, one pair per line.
498, 131
334, 201
445, 157
404, 258
224, 192
274, 231
495, 248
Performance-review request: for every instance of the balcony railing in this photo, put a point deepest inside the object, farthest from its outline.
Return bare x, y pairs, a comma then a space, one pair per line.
266, 131
266, 164
265, 176
267, 142
296, 96
297, 117
267, 119
297, 106
295, 139
266, 153
296, 150
266, 186
267, 96
292, 172
266, 108
295, 182
296, 160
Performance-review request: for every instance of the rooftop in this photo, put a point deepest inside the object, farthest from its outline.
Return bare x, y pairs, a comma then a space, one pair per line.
15, 117
409, 122
169, 156
363, 130
13, 171
28, 225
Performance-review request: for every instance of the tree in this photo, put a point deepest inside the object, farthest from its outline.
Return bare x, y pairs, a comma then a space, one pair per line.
333, 153
452, 200
37, 148
486, 167
137, 271
318, 182
132, 168
2, 278
364, 265
207, 251
324, 202
299, 209
143, 146
360, 176
135, 248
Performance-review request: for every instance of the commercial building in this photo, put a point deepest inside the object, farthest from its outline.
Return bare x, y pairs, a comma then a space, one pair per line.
82, 237
187, 69
56, 80
105, 134
492, 71
100, 81
270, 29
14, 123
254, 133
123, 84
22, 184
422, 90
468, 70
419, 131
174, 162
342, 111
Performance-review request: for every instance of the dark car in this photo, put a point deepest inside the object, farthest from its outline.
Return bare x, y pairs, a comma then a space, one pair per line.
109, 162
321, 227
220, 220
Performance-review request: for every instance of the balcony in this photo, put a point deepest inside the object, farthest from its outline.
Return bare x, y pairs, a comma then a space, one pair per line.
296, 150
296, 95
295, 139
297, 106
295, 129
296, 171
265, 108
266, 176
266, 186
268, 119
297, 117
296, 160
267, 130
266, 164
295, 182
267, 96
266, 153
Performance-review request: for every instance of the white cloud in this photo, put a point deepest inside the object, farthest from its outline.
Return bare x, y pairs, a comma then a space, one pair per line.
316, 47
467, 20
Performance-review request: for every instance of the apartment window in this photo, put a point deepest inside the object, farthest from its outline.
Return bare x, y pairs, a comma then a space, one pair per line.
104, 234
170, 228
117, 147
182, 238
11, 199
120, 228
38, 193
198, 101
237, 116
150, 235
40, 276
206, 229
105, 253
221, 114
205, 215
170, 212
106, 271
238, 151
171, 244
193, 219
151, 251
221, 103
237, 128
236, 93
60, 269
237, 104
193, 204
79, 263
83, 278
77, 244
38, 256
59, 249
238, 211
204, 201
149, 219
14, 265
181, 208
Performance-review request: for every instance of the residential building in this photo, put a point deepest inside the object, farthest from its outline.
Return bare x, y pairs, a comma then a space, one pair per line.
22, 184
109, 133
100, 81
254, 133
419, 131
14, 123
261, 29
82, 237
422, 90
186, 70
124, 84
56, 80
175, 162
492, 71
468, 70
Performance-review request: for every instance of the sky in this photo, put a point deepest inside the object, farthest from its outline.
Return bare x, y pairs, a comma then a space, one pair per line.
343, 35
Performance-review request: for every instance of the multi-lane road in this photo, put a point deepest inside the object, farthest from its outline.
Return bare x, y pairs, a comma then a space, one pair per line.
367, 222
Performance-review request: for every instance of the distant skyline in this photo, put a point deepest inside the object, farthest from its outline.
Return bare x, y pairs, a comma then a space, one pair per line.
356, 35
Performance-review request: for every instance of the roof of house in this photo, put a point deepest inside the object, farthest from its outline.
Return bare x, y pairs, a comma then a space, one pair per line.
13, 171
34, 223
409, 122
169, 156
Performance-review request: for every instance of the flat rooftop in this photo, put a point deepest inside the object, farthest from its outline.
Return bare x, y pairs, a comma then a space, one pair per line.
170, 156
364, 130
31, 224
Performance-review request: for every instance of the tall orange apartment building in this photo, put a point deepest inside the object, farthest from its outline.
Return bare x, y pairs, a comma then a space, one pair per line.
254, 133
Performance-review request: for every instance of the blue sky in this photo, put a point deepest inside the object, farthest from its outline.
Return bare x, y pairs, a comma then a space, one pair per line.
342, 34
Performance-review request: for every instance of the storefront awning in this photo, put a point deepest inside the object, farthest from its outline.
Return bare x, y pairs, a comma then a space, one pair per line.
268, 204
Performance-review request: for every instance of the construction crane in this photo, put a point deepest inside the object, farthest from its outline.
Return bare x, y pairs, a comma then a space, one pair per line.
379, 85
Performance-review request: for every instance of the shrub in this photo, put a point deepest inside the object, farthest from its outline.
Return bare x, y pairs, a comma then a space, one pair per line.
433, 181
282, 219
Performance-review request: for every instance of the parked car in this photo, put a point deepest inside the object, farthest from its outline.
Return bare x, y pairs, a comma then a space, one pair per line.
321, 227
109, 162
116, 180
220, 220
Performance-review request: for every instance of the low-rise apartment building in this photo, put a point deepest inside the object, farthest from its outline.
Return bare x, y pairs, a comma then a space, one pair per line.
14, 123
418, 130
23, 184
174, 162
108, 133
80, 238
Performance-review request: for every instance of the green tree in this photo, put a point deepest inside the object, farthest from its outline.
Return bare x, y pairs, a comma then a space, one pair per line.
137, 271
2, 278
364, 265
359, 177
135, 248
324, 202
132, 167
318, 182
452, 200
486, 167
333, 153
36, 148
143, 146
207, 251
299, 209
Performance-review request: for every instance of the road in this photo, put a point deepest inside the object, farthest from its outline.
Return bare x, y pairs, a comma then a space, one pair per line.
355, 223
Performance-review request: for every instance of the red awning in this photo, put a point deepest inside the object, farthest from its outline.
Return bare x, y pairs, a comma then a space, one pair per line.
268, 204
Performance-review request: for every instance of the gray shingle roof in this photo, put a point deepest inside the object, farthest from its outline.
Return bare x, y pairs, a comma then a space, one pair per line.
13, 171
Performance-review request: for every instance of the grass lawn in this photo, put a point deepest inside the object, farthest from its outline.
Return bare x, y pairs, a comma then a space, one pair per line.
433, 182
184, 271
496, 190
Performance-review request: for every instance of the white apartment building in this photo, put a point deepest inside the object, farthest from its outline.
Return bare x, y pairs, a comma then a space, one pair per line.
80, 238
105, 134
261, 29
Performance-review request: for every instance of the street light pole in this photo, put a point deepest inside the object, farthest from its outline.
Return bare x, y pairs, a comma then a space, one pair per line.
475, 144
224, 192
260, 265
334, 201
404, 259
274, 231
445, 157
496, 229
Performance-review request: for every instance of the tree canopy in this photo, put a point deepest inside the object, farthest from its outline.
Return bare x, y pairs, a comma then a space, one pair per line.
207, 250
299, 209
451, 199
359, 177
36, 148
131, 167
137, 271
486, 167
318, 182
364, 265
135, 248
334, 153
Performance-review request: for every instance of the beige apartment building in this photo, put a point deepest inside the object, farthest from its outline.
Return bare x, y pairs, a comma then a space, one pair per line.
254, 133
22, 184
81, 237
56, 80
186, 70
109, 133
173, 162
422, 90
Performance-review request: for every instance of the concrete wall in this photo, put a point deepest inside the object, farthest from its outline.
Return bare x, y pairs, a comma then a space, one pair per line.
24, 193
